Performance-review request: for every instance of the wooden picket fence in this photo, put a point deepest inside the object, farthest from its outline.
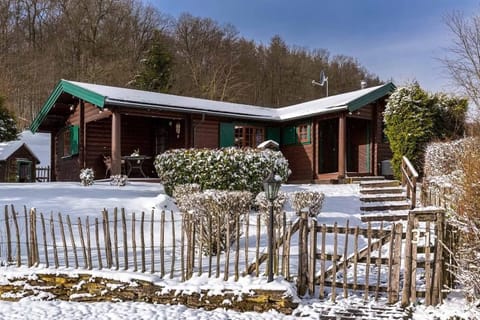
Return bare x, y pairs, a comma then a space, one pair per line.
155, 242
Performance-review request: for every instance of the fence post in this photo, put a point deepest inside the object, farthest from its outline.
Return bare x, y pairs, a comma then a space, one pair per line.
302, 279
439, 263
313, 254
408, 261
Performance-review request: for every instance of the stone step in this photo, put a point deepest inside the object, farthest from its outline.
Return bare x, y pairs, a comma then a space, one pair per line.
379, 183
383, 197
385, 216
386, 206
353, 310
385, 190
365, 178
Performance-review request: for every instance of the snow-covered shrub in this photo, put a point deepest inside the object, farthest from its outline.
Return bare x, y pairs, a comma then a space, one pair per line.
311, 200
182, 192
443, 158
213, 212
220, 169
453, 177
263, 205
119, 180
467, 220
87, 176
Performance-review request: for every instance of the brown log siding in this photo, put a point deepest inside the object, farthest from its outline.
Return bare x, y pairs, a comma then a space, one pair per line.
300, 159
206, 133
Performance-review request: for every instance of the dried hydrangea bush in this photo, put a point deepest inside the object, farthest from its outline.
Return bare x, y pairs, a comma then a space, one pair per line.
214, 213
310, 200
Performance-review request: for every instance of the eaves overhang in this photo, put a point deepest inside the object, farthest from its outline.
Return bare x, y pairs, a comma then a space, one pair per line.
64, 86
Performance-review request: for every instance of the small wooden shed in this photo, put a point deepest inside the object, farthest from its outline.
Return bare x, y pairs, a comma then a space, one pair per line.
17, 162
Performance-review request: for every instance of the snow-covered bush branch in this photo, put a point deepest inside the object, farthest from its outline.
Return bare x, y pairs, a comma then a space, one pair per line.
87, 176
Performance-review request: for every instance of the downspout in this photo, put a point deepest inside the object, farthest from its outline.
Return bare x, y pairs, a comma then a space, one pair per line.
195, 128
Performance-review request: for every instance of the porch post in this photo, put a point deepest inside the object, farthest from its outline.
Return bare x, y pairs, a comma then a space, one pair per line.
116, 143
342, 133
82, 135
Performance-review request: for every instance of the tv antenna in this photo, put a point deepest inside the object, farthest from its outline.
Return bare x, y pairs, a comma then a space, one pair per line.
323, 80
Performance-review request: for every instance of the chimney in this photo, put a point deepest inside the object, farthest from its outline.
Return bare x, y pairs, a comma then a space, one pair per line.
363, 84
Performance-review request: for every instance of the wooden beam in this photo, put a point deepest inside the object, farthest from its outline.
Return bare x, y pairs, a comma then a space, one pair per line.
342, 141
116, 143
82, 135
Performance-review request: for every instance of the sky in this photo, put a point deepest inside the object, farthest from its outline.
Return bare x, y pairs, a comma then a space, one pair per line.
398, 40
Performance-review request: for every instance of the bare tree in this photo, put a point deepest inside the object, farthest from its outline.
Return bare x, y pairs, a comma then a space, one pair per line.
463, 56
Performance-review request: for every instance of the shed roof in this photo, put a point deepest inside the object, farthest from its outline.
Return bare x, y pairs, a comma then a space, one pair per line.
10, 147
102, 96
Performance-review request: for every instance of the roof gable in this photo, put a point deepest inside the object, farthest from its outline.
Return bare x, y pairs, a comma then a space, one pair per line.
9, 148
71, 88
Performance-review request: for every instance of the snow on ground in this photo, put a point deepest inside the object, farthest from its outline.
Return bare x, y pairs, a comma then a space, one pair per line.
28, 309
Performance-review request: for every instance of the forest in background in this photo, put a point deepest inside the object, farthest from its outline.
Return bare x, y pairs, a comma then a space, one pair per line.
127, 43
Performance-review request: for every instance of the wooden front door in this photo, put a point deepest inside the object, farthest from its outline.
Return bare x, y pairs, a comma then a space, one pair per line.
328, 146
358, 146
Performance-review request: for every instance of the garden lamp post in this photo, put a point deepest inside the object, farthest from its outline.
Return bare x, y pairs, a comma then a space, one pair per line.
271, 185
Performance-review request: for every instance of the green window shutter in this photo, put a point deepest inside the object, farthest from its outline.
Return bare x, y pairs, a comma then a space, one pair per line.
227, 134
289, 135
273, 133
74, 139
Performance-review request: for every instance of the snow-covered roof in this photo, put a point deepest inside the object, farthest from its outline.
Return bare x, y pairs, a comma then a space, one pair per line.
8, 148
102, 96
139, 98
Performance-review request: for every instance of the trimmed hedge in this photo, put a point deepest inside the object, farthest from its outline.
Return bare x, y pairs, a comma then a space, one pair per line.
220, 169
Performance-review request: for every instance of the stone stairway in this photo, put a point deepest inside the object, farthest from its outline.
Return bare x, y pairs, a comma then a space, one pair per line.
383, 200
353, 310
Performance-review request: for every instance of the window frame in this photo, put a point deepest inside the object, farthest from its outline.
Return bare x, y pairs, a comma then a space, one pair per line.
68, 141
249, 135
307, 132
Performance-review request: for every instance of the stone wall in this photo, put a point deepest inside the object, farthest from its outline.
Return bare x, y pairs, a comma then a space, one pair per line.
87, 288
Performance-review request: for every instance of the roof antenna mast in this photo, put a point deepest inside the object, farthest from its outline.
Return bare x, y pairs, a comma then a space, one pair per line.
323, 80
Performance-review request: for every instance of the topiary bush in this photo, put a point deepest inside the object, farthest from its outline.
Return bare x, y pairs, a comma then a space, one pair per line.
220, 169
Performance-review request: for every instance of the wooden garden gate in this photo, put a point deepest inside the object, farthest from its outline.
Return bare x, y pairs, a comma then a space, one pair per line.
368, 260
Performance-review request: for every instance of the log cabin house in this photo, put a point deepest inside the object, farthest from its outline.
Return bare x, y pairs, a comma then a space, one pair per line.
17, 162
327, 139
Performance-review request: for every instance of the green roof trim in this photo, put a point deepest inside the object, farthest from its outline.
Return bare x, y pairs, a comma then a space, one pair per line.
74, 90
370, 97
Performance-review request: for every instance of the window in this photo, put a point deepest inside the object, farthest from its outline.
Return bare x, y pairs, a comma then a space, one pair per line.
299, 134
69, 141
248, 136
303, 133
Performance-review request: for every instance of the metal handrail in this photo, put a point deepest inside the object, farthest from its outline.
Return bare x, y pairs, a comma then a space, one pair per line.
409, 178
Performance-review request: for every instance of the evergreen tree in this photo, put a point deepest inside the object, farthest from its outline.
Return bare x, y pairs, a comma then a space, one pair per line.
414, 118
8, 125
156, 70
